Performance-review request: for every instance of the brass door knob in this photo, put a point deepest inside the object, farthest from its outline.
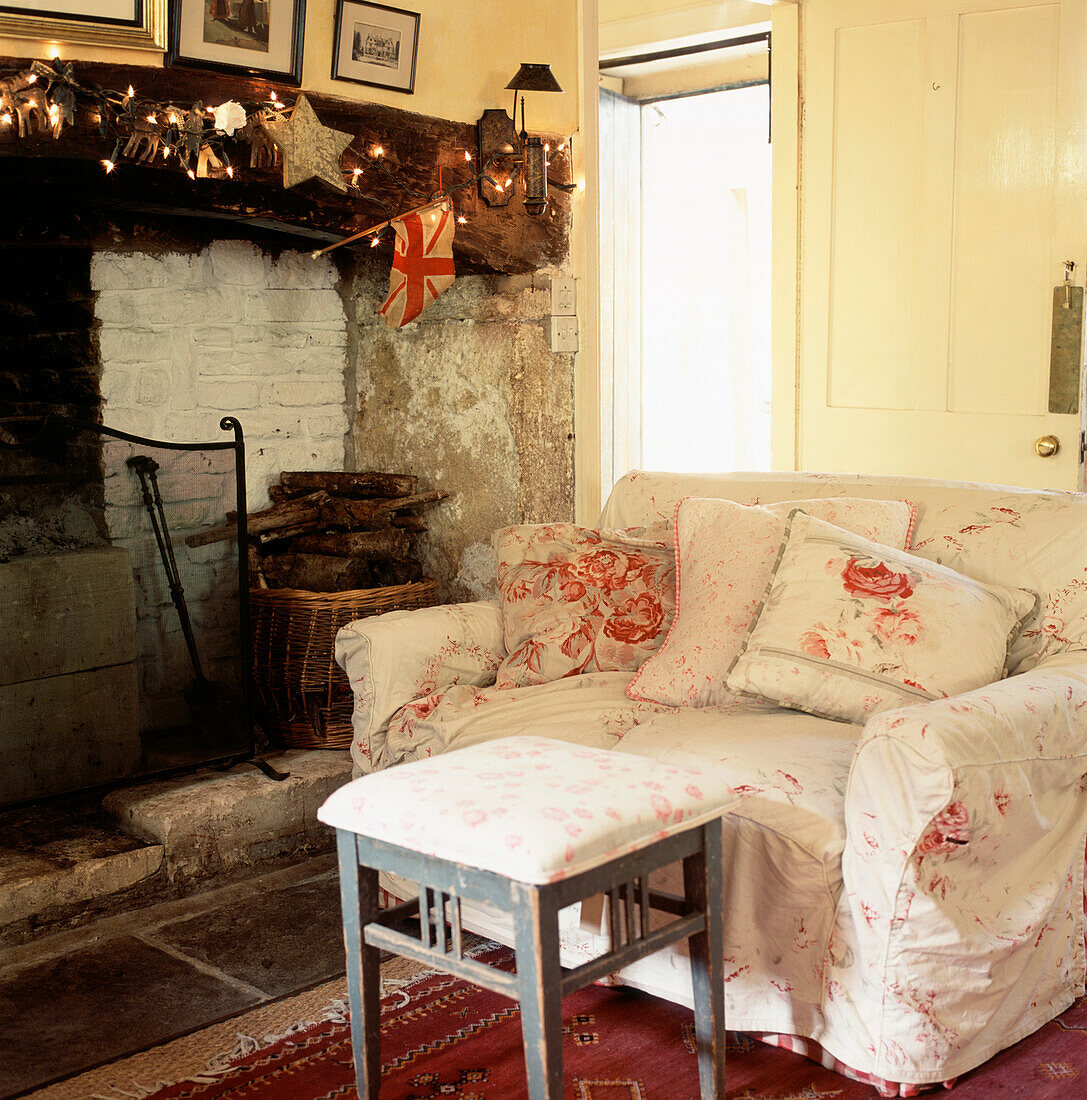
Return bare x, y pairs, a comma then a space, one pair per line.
1046, 446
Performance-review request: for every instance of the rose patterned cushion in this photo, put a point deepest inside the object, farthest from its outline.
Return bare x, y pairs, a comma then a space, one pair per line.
397, 657
850, 628
725, 555
531, 808
576, 600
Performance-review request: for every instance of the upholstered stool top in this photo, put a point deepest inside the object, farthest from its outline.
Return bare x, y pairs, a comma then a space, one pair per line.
530, 808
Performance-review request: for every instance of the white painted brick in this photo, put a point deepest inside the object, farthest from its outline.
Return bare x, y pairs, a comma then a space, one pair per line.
186, 269
305, 393
228, 396
214, 361
238, 263
123, 271
310, 306
153, 386
117, 307
218, 336
190, 305
326, 427
299, 270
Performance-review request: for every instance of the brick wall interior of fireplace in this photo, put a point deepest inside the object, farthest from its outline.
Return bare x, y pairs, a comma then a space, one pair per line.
161, 345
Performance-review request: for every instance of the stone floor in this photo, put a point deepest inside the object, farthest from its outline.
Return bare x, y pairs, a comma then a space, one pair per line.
83, 997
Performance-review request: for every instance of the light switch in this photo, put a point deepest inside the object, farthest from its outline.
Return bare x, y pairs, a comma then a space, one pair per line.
563, 297
562, 334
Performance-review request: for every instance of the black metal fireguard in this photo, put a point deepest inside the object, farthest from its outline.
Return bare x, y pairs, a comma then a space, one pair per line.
124, 652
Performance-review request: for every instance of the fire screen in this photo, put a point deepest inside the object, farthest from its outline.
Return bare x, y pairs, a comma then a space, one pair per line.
123, 650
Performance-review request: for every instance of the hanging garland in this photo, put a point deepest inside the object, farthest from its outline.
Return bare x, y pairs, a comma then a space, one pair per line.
44, 99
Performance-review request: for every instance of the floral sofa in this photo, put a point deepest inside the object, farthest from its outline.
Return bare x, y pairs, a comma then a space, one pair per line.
903, 890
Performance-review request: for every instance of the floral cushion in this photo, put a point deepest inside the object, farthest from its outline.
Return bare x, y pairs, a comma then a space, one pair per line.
530, 808
725, 555
850, 628
576, 600
397, 657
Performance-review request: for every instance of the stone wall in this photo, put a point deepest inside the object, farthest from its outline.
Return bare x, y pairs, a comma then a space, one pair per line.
470, 398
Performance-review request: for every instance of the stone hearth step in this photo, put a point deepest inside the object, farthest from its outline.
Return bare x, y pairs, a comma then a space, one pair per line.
64, 855
212, 821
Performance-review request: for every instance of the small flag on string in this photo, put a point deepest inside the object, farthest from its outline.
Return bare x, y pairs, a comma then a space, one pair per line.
422, 264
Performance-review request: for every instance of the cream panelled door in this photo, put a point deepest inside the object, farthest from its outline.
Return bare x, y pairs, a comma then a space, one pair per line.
943, 188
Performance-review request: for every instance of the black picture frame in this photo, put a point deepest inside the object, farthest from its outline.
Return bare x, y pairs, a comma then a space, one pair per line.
393, 54
190, 49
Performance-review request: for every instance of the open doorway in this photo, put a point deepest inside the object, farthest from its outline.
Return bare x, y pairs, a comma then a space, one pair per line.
685, 274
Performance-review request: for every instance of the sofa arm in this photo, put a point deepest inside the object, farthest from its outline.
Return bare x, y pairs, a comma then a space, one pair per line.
394, 658
963, 869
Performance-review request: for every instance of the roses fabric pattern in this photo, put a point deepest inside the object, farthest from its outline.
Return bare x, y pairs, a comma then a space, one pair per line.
850, 628
725, 555
576, 600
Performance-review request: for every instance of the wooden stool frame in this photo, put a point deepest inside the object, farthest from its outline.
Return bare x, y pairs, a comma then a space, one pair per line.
540, 982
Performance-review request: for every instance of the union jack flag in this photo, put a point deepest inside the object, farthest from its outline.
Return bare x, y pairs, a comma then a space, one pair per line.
422, 264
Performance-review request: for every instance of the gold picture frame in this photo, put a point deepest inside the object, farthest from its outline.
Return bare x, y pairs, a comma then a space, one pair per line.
129, 24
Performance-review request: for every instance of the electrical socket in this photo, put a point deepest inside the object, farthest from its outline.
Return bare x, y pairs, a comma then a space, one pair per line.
562, 333
563, 297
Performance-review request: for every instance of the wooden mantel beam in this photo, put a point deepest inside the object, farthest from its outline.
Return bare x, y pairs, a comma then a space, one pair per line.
503, 240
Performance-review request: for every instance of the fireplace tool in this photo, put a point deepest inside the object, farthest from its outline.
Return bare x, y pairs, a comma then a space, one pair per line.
214, 707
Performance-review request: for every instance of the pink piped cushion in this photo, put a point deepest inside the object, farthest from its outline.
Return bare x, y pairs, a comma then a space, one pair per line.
530, 808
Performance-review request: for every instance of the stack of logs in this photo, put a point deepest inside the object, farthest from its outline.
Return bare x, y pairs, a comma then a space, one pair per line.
334, 531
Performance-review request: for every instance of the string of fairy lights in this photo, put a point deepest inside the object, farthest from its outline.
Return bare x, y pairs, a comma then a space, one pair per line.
45, 97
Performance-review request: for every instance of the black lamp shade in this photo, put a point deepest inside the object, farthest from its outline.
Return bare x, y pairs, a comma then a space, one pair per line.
534, 78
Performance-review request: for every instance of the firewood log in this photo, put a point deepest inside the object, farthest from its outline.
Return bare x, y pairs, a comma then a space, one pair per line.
317, 572
389, 544
303, 510
347, 484
352, 514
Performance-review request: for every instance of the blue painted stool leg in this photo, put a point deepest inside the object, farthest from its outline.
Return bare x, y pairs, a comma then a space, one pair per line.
539, 981
702, 882
359, 901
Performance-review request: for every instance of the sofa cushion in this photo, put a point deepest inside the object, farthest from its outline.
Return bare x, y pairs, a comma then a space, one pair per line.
849, 627
528, 808
576, 600
725, 553
1029, 538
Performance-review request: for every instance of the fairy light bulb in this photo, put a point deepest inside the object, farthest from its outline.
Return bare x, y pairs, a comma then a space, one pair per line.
467, 156
108, 165
32, 79
499, 187
166, 153
547, 147
373, 241
379, 152
171, 118
5, 118
191, 174
508, 181
153, 119
461, 220
230, 171
561, 146
131, 92
54, 52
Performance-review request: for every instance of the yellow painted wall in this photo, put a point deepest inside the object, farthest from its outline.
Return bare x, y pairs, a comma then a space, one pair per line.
468, 51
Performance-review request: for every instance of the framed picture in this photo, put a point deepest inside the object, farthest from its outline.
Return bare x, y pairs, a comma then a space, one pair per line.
137, 24
257, 37
375, 45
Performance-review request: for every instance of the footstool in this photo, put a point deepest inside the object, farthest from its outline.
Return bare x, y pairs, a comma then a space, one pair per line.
531, 825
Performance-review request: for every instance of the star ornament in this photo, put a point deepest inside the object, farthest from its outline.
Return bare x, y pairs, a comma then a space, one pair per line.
310, 150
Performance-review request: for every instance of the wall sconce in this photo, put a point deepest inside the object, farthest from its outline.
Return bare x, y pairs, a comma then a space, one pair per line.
515, 155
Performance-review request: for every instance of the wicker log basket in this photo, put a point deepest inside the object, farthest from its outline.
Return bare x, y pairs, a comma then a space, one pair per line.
301, 696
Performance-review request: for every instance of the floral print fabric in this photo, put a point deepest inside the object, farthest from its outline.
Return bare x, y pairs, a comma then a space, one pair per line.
1025, 538
725, 555
401, 656
530, 808
576, 600
850, 628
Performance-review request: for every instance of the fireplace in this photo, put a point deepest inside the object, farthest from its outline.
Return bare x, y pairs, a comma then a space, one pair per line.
121, 647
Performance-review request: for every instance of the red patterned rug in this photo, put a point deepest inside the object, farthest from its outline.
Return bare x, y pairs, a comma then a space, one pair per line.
443, 1039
